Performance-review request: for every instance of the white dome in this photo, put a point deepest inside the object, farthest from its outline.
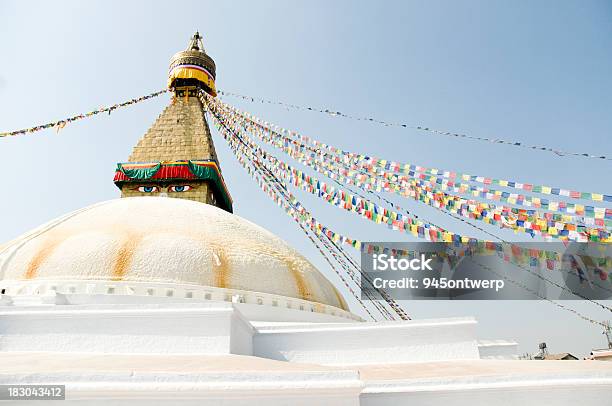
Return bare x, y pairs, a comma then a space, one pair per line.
162, 240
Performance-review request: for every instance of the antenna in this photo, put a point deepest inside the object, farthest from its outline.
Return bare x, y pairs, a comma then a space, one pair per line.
608, 332
543, 351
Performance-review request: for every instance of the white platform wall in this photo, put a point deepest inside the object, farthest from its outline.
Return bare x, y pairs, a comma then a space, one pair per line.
207, 328
220, 328
368, 343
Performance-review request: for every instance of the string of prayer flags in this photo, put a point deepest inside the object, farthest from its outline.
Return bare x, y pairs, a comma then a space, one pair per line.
371, 164
529, 221
58, 125
429, 130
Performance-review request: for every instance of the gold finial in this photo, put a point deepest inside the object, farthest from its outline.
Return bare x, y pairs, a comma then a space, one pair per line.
192, 69
196, 44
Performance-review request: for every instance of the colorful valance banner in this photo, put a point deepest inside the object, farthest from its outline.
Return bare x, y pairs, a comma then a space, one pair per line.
139, 171
192, 72
134, 172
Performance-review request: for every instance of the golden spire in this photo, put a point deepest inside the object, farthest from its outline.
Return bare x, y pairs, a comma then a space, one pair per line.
193, 68
176, 157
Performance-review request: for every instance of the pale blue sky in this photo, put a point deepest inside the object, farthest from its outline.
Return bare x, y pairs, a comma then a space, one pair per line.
537, 72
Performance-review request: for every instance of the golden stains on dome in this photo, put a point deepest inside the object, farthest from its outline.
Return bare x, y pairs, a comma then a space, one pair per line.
125, 255
221, 268
300, 283
167, 241
221, 265
47, 248
340, 299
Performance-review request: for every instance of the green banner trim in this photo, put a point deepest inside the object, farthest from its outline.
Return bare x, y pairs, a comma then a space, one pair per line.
211, 173
139, 173
203, 172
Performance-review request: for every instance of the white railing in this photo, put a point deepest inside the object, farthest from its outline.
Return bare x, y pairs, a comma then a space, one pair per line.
165, 290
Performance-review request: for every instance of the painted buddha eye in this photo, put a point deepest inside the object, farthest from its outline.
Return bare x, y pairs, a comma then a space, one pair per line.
179, 188
148, 189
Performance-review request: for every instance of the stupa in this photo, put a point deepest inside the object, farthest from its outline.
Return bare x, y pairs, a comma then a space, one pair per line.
165, 297
187, 246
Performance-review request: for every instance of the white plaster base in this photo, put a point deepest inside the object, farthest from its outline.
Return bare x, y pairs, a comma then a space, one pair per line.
535, 392
368, 343
205, 328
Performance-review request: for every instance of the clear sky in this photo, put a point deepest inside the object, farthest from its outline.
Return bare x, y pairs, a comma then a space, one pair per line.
537, 72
